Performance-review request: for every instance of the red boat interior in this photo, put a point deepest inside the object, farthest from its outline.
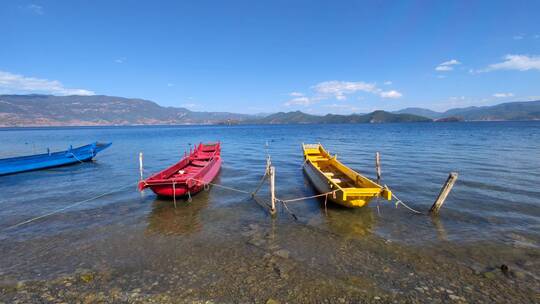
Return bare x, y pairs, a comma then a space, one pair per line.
190, 166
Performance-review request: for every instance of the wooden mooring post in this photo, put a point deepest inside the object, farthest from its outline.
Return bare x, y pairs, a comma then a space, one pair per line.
141, 165
444, 193
272, 172
378, 166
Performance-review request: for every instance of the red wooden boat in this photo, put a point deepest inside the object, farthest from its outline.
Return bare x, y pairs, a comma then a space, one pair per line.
188, 176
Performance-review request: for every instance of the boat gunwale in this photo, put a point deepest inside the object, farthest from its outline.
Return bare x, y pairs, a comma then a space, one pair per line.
98, 148
153, 180
347, 191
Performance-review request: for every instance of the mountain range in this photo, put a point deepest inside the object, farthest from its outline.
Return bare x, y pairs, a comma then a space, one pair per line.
374, 117
49, 110
521, 110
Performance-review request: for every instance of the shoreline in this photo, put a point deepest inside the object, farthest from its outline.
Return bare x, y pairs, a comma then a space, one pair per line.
52, 127
262, 265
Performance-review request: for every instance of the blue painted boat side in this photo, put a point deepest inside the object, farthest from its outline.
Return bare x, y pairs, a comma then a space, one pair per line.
50, 160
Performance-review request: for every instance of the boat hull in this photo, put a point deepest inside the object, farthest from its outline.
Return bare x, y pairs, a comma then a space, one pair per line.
189, 176
322, 185
345, 186
181, 189
51, 160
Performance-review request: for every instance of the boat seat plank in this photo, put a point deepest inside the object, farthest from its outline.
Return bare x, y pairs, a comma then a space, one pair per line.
199, 163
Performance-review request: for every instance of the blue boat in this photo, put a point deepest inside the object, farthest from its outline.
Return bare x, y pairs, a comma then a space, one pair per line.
50, 160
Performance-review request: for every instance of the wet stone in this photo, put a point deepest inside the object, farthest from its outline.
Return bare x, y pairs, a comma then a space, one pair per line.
519, 274
87, 277
282, 253
20, 284
489, 275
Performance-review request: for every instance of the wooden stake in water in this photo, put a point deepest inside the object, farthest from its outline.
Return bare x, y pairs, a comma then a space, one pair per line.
378, 170
444, 193
273, 190
378, 166
141, 165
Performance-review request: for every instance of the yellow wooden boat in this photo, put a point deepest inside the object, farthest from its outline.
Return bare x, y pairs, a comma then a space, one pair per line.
327, 174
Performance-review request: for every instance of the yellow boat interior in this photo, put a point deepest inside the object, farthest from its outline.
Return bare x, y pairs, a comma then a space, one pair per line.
356, 190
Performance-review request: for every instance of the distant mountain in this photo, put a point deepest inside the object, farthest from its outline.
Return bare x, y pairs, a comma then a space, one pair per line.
48, 110
303, 118
285, 118
419, 112
520, 110
526, 110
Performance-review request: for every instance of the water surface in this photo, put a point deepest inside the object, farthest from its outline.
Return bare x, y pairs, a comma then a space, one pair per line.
491, 216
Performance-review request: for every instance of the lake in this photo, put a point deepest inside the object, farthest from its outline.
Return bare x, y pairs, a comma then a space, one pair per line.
222, 246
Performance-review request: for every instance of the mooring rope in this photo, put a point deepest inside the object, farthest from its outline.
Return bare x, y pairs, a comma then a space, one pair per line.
283, 201
289, 211
217, 185
261, 182
66, 207
73, 154
307, 197
398, 201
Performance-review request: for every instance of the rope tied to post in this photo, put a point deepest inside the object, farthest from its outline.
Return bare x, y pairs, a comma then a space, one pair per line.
218, 185
310, 197
398, 201
67, 207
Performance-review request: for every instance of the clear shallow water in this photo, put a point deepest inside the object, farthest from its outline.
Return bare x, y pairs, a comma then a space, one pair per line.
495, 201
497, 190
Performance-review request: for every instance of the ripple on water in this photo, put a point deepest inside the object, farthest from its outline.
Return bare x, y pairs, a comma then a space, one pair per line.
496, 198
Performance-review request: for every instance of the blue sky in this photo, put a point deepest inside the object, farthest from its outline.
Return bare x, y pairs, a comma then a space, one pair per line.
267, 56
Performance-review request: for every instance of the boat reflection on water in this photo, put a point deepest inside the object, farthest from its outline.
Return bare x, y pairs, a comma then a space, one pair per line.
351, 223
348, 223
183, 220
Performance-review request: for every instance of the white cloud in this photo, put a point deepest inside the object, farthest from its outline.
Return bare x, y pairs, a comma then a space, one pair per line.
518, 37
515, 62
450, 62
120, 60
388, 82
391, 94
341, 107
338, 90
447, 65
303, 101
444, 68
17, 84
532, 98
503, 95
36, 9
